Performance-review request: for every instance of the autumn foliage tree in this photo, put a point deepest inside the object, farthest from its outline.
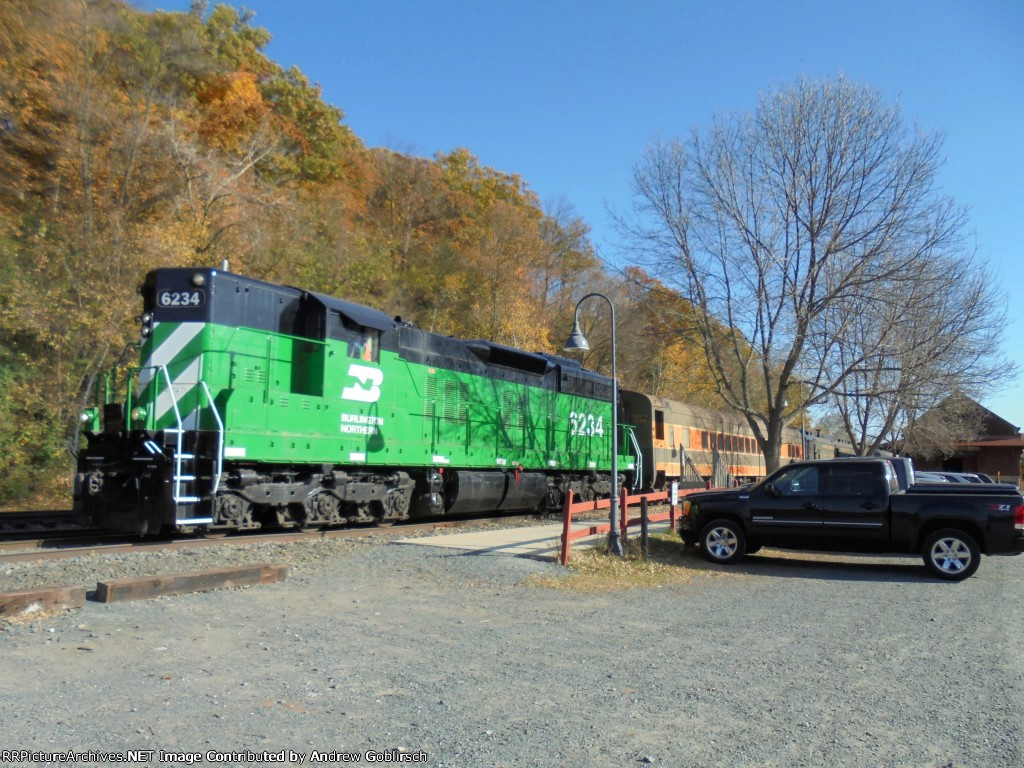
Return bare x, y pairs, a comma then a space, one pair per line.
128, 141
131, 140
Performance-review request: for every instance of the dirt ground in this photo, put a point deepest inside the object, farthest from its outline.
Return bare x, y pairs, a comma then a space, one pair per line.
386, 653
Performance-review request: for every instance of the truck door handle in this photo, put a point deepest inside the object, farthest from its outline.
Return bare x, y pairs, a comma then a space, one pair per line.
810, 506
869, 506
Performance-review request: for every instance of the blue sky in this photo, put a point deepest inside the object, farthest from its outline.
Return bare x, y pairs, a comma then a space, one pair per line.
567, 93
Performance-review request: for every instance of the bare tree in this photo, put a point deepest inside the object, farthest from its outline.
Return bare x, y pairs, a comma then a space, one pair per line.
775, 225
221, 191
568, 259
949, 318
933, 432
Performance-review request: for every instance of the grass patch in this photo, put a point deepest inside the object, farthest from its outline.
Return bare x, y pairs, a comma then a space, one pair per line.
668, 563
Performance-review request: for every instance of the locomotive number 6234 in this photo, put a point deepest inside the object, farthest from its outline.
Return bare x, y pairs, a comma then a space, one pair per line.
180, 298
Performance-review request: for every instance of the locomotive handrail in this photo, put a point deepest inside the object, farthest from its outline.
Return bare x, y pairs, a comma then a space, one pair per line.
220, 442
692, 467
180, 431
177, 494
638, 470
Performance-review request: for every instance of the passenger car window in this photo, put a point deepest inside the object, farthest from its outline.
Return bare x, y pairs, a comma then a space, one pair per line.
799, 481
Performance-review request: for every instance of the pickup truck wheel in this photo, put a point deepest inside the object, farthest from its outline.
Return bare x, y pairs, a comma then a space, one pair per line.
951, 554
723, 541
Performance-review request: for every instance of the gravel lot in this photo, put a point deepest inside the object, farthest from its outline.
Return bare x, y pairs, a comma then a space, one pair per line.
459, 660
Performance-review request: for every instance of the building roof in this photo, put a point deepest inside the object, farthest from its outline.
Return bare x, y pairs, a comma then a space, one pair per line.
994, 442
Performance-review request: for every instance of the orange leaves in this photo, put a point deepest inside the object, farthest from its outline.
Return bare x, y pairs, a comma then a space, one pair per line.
481, 186
233, 109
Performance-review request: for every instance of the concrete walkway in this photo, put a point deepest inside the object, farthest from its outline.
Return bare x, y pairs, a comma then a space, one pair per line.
541, 542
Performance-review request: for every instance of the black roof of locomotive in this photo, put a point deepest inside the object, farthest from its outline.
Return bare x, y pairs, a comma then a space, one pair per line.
279, 308
364, 316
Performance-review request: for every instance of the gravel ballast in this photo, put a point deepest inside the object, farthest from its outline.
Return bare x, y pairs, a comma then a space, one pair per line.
462, 660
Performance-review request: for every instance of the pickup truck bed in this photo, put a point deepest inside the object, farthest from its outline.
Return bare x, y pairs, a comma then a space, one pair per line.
857, 506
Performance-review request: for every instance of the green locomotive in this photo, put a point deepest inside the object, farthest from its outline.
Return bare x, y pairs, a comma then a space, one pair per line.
263, 405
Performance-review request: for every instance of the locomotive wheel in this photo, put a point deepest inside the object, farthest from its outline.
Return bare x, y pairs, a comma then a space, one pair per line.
395, 507
235, 512
553, 500
326, 508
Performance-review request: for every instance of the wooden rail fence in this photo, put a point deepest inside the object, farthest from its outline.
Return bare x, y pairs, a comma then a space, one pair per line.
572, 508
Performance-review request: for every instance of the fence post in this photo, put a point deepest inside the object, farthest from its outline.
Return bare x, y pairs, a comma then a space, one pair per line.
643, 528
566, 521
623, 518
674, 500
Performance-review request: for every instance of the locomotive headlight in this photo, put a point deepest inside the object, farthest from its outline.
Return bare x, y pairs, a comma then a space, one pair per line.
146, 330
138, 413
146, 318
198, 279
85, 416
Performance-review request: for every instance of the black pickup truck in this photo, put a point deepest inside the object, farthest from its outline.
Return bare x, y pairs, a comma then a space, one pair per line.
856, 505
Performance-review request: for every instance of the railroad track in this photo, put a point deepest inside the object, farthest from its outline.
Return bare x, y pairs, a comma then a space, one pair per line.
89, 543
13, 524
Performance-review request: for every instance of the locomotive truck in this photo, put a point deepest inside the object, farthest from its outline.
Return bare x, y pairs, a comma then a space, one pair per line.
256, 405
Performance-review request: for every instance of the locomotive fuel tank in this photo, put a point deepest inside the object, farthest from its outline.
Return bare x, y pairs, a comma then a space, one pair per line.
467, 491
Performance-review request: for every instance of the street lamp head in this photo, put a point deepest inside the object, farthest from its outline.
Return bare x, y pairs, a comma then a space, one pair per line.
576, 339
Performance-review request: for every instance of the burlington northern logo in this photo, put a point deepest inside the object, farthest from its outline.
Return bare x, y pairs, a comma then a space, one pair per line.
367, 388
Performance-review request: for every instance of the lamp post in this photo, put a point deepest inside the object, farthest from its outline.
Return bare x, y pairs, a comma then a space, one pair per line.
803, 434
578, 341
804, 444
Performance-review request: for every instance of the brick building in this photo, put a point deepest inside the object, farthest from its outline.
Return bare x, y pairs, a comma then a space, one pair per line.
996, 451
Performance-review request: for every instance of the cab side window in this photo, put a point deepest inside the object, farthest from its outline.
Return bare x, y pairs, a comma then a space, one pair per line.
360, 343
366, 346
799, 481
853, 481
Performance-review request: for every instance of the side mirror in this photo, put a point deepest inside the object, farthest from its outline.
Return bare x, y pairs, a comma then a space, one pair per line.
771, 490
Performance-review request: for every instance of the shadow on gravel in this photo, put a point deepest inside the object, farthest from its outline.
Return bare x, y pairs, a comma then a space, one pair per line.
809, 565
668, 553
